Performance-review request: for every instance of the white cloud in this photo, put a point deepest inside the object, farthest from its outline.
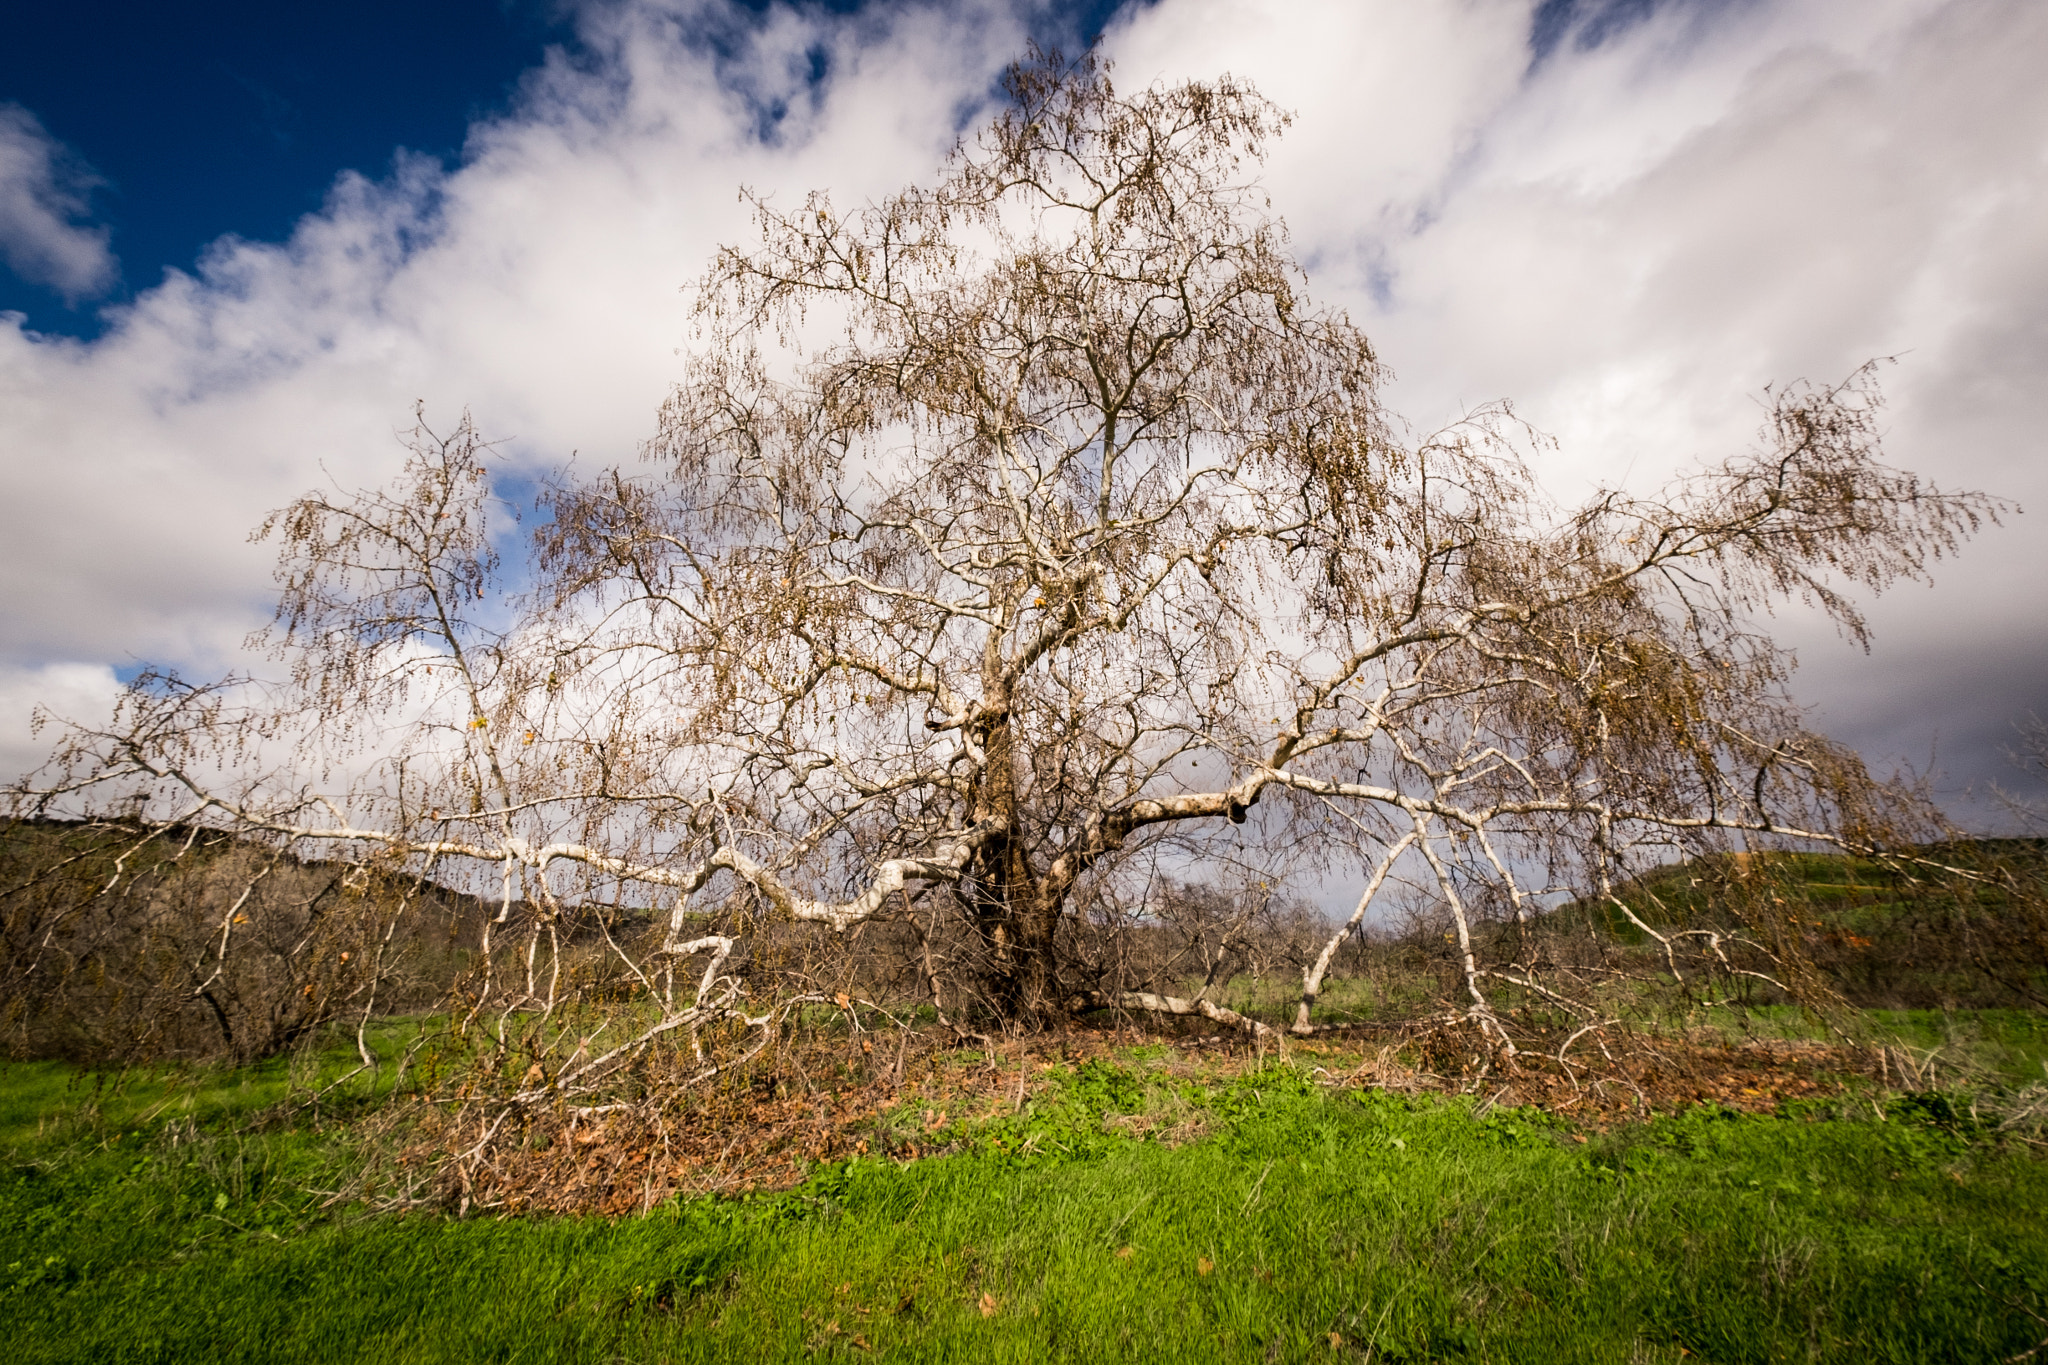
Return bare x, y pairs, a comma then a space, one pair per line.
1629, 240
43, 187
82, 692
538, 284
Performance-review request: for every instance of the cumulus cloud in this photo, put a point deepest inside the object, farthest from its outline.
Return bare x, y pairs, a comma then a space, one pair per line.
1635, 234
1628, 235
539, 284
43, 188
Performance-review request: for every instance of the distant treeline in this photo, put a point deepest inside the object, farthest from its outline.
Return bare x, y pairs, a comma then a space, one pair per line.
121, 943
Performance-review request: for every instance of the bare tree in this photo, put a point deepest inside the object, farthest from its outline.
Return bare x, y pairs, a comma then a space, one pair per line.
1009, 529
1078, 524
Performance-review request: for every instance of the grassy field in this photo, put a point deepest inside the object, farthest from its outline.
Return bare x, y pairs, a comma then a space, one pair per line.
152, 1220
1079, 1196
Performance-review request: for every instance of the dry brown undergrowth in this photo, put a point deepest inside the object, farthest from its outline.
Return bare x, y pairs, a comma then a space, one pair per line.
768, 1128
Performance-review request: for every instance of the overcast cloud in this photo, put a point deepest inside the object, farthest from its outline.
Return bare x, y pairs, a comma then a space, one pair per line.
1630, 238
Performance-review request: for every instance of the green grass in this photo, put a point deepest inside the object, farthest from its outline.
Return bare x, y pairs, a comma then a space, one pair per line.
1412, 1229
1995, 1046
1853, 892
2008, 1045
47, 1101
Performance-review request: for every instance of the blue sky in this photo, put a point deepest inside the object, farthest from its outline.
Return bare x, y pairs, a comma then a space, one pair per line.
179, 125
185, 123
1628, 216
234, 117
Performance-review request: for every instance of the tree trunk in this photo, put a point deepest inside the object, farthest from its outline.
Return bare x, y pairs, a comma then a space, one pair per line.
1017, 919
